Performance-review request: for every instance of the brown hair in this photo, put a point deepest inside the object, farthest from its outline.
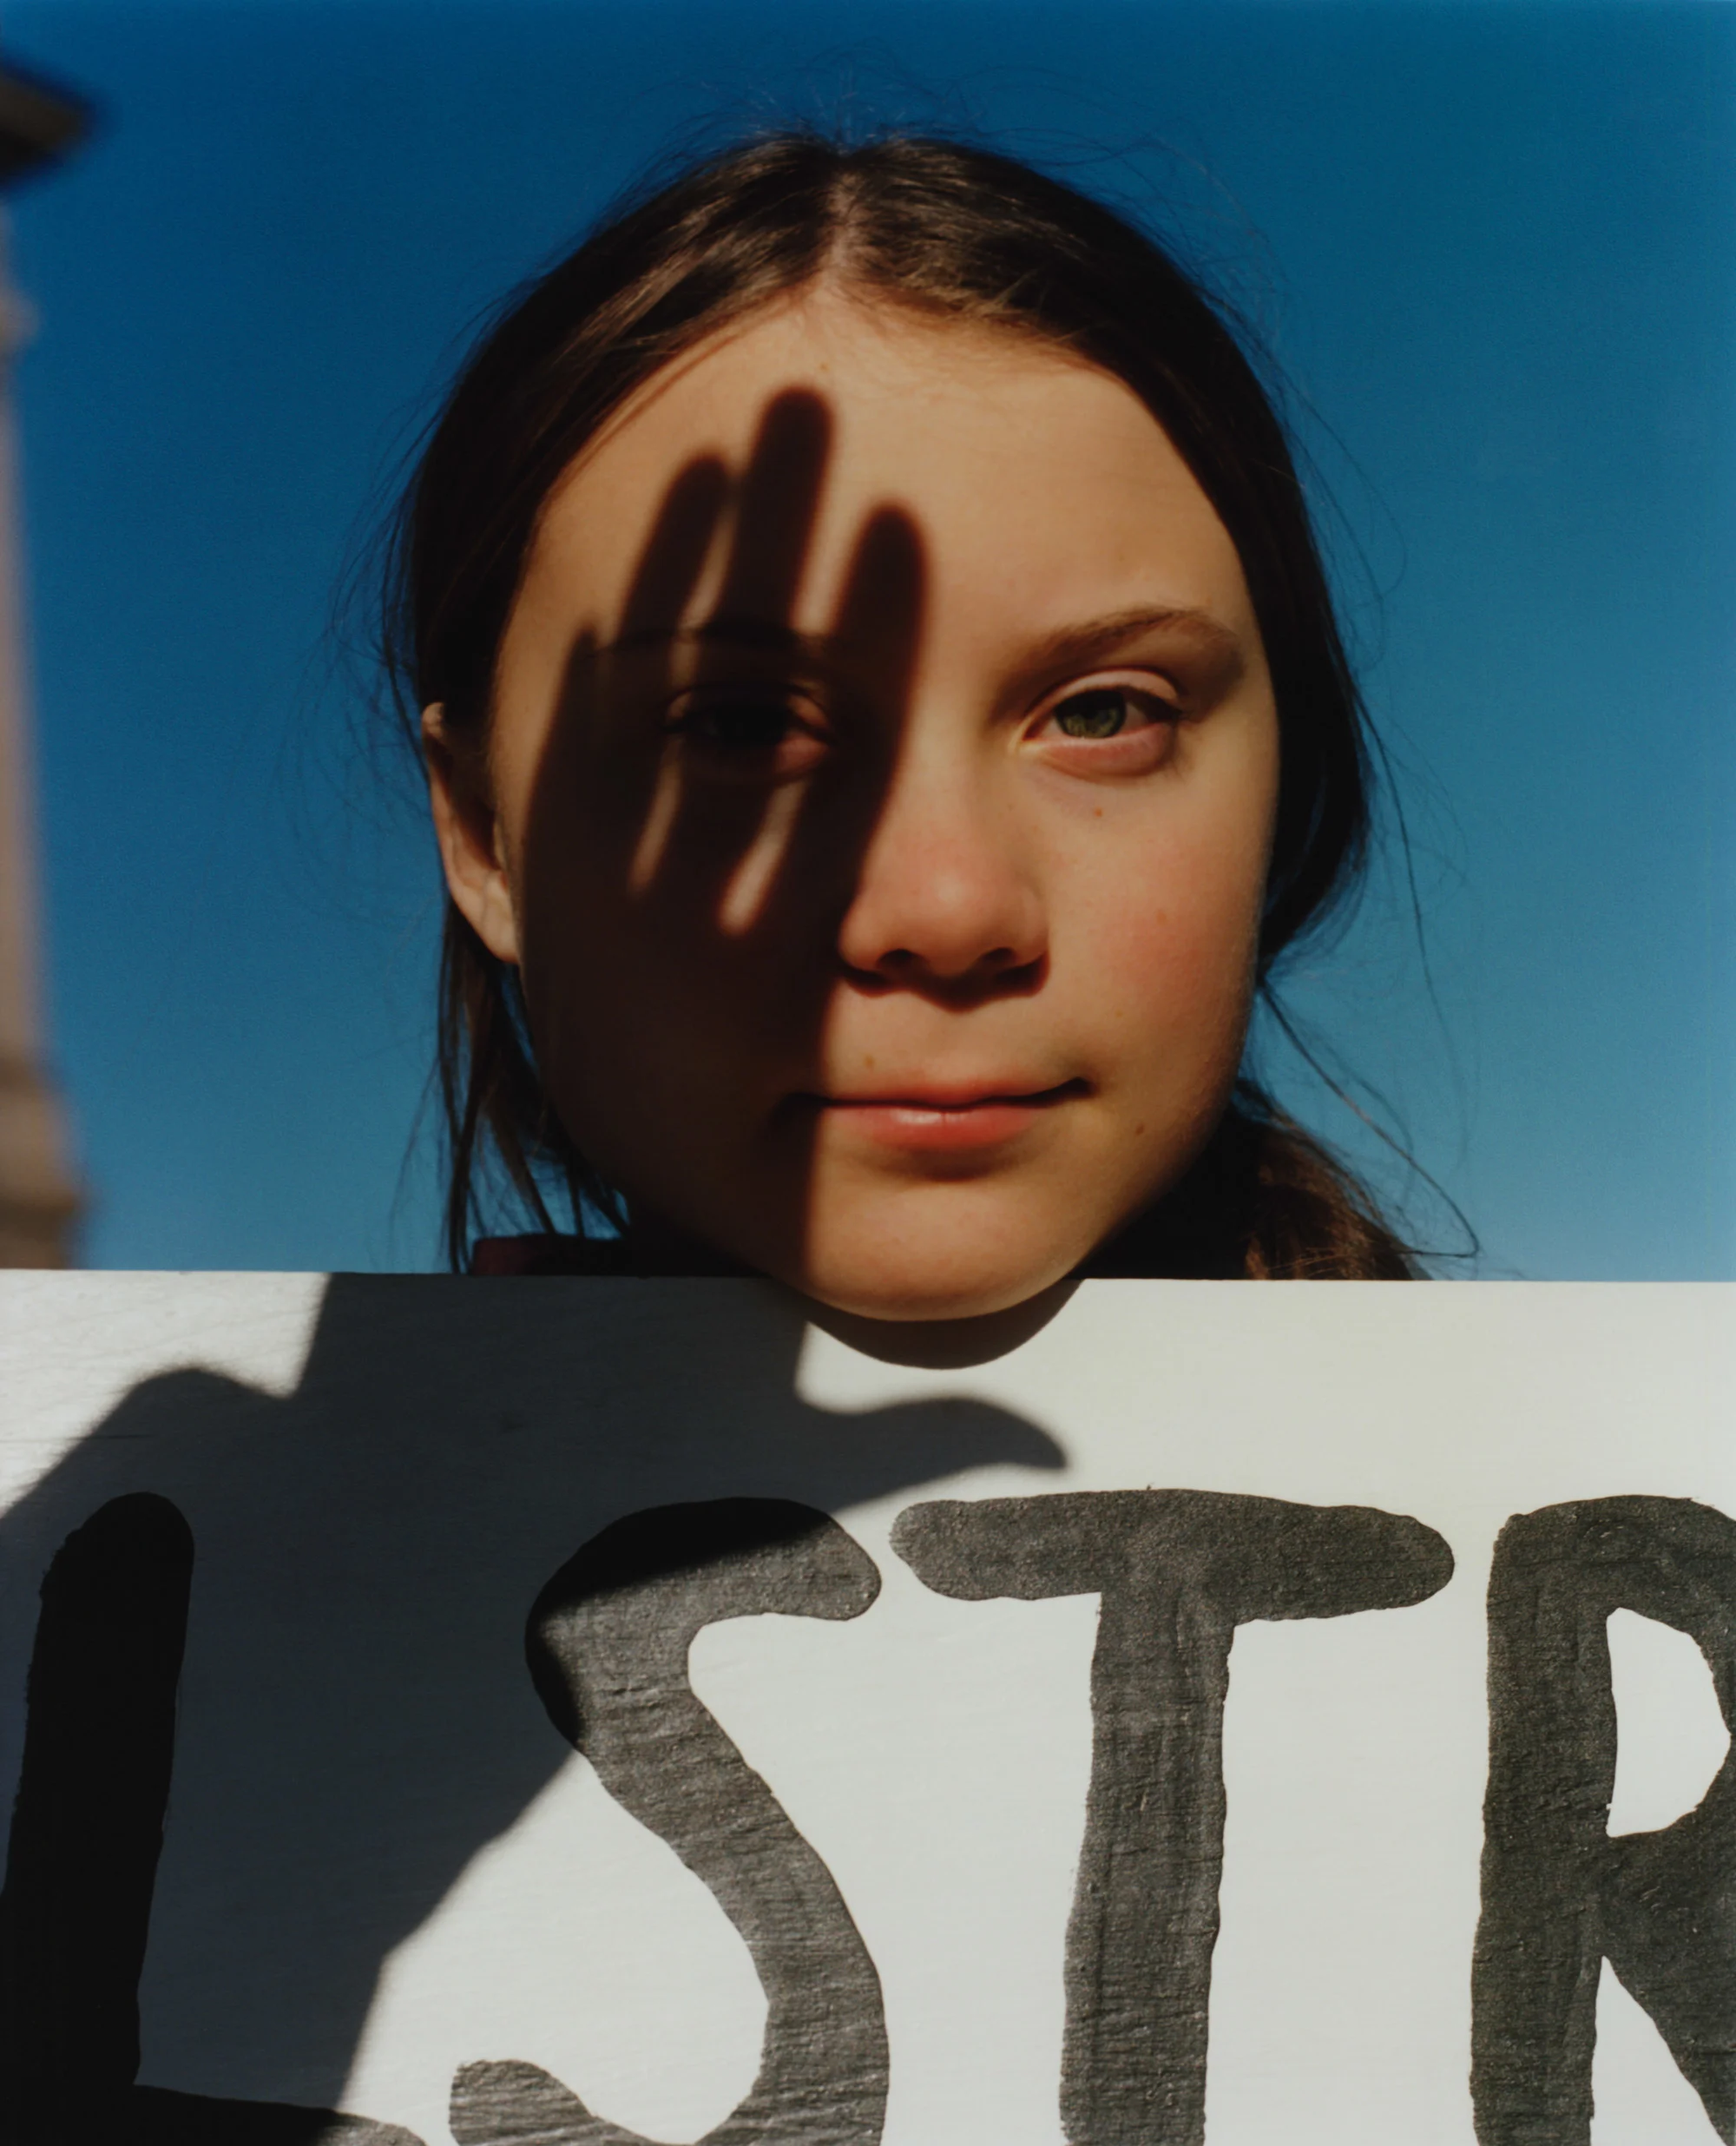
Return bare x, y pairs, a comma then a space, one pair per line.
965, 233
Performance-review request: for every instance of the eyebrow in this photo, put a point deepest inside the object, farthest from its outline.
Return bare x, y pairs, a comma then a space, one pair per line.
1067, 646
1097, 637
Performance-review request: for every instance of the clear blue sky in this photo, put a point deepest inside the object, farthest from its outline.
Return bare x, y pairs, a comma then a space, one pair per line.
1494, 246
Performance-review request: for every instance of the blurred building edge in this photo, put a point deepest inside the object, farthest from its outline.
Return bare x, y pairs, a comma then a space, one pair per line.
40, 1200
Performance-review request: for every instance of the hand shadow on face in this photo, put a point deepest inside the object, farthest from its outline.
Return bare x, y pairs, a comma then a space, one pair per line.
742, 887
355, 1719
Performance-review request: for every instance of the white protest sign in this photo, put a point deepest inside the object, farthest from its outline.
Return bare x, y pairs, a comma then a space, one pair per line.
1133, 1738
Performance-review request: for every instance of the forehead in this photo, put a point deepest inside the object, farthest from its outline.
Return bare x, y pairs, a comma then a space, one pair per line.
1038, 483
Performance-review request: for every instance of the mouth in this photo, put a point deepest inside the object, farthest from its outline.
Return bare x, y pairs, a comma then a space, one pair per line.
941, 1119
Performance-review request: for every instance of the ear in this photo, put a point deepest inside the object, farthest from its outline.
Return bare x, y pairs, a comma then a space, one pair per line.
468, 831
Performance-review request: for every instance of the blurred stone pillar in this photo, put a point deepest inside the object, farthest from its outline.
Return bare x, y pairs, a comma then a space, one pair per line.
39, 1199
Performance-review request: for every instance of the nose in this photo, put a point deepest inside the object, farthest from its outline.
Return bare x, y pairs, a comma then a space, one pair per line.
947, 895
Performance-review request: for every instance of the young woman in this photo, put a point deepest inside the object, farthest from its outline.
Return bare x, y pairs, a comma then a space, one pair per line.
885, 719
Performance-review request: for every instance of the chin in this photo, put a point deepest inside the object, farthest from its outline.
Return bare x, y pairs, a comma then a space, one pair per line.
932, 1279
907, 1306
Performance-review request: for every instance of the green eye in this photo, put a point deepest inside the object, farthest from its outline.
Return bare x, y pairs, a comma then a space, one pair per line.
1100, 713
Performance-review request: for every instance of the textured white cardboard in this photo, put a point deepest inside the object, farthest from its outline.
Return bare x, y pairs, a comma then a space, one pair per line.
382, 1863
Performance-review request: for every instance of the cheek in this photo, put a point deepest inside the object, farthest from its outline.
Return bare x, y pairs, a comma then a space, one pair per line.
658, 904
1168, 935
586, 934
628, 1028
615, 985
641, 1000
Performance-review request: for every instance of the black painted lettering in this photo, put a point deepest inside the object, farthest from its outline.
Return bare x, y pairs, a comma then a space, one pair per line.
607, 1642
1177, 1571
86, 1826
1559, 1895
80, 1868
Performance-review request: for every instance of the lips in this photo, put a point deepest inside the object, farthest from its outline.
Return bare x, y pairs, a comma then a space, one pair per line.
942, 1118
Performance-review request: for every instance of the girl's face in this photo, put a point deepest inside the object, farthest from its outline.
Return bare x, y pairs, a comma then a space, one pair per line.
877, 801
